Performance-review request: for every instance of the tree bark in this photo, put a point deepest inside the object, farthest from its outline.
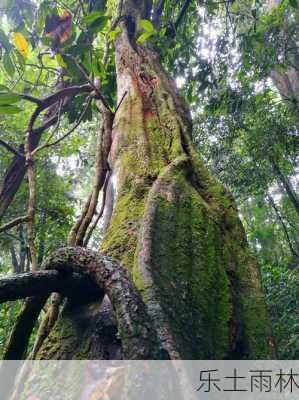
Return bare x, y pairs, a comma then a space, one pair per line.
286, 184
14, 259
84, 276
174, 227
287, 82
45, 282
283, 225
18, 340
138, 337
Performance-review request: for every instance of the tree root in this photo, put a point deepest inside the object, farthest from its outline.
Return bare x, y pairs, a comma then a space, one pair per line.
86, 269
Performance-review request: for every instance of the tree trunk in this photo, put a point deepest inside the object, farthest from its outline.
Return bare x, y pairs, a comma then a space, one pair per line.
285, 183
288, 86
173, 227
287, 82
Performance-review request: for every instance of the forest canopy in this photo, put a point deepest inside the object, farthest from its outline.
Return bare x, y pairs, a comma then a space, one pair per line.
234, 62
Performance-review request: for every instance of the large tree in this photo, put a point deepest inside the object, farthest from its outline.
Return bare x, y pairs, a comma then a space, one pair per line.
174, 261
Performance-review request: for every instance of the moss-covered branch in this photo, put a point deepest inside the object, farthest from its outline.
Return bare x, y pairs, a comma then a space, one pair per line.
138, 337
82, 275
45, 282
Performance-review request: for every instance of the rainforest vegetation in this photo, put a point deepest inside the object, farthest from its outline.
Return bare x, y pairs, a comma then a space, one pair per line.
148, 179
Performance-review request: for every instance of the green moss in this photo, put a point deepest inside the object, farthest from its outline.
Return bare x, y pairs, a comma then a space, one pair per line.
253, 315
195, 247
189, 273
61, 341
181, 237
121, 238
72, 335
246, 294
185, 225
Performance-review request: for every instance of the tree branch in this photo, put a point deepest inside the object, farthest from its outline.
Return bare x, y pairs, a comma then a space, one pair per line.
30, 98
14, 222
18, 341
99, 216
182, 13
130, 311
31, 202
11, 148
98, 93
67, 133
57, 123
74, 271
56, 97
45, 282
158, 13
280, 219
121, 100
16, 171
104, 141
46, 125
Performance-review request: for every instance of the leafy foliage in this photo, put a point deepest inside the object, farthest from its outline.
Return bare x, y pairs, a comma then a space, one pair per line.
282, 297
222, 55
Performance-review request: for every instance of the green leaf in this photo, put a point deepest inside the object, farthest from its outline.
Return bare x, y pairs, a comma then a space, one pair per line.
293, 3
147, 25
113, 34
4, 41
99, 24
89, 19
83, 39
98, 69
20, 59
47, 41
60, 61
78, 50
9, 98
234, 7
72, 68
87, 62
8, 65
8, 109
40, 17
162, 32
4, 89
144, 37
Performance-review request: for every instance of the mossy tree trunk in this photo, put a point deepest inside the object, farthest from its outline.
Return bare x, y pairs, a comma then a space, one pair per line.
173, 226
